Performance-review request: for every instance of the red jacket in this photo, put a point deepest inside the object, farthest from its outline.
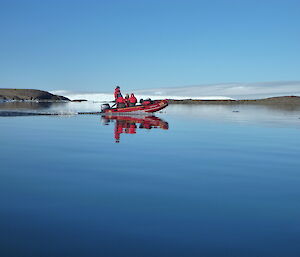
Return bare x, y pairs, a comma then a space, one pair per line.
120, 100
117, 91
146, 102
132, 99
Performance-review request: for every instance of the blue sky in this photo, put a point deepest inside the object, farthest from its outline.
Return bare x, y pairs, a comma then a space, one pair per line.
94, 45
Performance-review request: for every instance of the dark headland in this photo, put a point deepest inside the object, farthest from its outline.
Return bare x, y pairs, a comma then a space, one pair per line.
9, 94
281, 100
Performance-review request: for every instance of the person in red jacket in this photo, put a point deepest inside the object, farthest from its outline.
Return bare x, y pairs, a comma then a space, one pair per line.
132, 100
121, 102
117, 92
146, 102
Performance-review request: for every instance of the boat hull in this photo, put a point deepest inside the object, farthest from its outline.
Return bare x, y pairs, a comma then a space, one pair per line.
139, 109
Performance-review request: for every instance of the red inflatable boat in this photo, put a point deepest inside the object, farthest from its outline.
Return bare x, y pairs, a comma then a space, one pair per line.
154, 107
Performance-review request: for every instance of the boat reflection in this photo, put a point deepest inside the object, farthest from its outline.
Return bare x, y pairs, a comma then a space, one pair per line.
130, 124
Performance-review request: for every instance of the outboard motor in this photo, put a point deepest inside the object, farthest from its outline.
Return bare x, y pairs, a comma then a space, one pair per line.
104, 107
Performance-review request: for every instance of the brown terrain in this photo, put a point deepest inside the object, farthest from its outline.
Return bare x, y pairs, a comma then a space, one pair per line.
281, 100
29, 95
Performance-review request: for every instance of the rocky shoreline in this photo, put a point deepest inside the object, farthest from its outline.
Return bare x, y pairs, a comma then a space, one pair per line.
281, 100
8, 94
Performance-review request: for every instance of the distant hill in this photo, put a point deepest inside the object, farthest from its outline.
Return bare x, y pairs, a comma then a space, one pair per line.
280, 100
29, 94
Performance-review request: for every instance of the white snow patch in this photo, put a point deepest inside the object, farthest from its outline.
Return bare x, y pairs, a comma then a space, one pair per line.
203, 92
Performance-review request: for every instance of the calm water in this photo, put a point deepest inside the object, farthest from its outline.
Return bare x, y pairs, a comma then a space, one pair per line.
194, 181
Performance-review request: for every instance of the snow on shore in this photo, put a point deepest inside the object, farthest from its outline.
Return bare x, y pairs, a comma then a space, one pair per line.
203, 92
103, 97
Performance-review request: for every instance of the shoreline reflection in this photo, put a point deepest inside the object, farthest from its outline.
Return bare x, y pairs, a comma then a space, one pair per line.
130, 124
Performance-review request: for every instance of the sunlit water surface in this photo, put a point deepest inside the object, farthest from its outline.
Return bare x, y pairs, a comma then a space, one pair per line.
193, 181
